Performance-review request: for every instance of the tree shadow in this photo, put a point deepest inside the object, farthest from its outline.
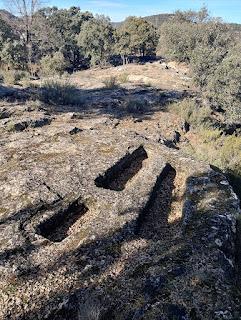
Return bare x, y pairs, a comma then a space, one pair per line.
131, 274
101, 254
121, 287
155, 222
140, 102
75, 295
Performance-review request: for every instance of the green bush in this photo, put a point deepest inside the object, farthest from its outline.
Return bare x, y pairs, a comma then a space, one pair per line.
190, 111
59, 93
53, 65
210, 49
225, 86
110, 83
134, 106
10, 127
187, 36
13, 53
12, 76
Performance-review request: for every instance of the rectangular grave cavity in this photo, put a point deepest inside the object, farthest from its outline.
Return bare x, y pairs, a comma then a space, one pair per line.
123, 171
64, 223
153, 220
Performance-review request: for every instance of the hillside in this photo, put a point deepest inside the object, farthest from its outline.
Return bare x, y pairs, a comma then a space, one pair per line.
102, 215
157, 20
8, 17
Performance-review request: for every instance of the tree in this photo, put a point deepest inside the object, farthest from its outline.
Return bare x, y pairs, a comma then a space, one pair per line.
177, 40
197, 39
207, 45
123, 40
97, 40
193, 16
57, 30
143, 36
12, 54
25, 10
225, 85
212, 43
12, 48
53, 65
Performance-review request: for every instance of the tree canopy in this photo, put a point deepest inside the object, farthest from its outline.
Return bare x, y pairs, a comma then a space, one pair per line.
142, 36
208, 46
97, 39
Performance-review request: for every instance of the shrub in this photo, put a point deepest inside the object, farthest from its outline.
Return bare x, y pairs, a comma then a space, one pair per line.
212, 145
187, 36
123, 78
110, 83
13, 76
190, 111
225, 86
10, 127
53, 65
134, 106
56, 92
209, 47
148, 84
208, 133
34, 104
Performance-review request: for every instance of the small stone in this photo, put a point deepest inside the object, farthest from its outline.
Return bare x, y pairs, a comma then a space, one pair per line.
75, 130
218, 242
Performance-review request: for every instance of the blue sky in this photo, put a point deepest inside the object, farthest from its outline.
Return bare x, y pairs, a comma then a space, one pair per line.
118, 10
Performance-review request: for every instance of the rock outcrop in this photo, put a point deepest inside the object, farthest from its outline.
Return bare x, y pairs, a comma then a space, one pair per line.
85, 226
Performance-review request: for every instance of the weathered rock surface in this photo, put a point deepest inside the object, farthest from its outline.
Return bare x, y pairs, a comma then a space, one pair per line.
74, 194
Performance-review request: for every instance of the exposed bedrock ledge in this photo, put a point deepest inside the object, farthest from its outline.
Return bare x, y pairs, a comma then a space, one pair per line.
75, 199
210, 210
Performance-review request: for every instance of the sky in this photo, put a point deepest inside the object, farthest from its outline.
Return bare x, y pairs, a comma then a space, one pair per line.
118, 10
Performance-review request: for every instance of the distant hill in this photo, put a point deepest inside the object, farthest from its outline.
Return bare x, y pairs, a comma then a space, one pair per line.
235, 26
157, 20
5, 15
8, 19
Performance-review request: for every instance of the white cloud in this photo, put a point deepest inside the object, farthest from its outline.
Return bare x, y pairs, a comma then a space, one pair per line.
107, 4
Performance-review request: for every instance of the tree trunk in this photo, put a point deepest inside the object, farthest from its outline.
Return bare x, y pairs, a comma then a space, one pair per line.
123, 59
29, 49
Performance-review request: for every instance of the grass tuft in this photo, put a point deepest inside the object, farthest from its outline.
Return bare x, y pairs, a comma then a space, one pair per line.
59, 93
134, 106
123, 78
13, 76
110, 83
